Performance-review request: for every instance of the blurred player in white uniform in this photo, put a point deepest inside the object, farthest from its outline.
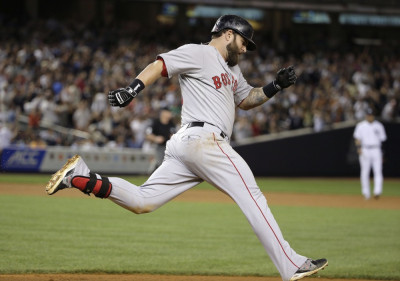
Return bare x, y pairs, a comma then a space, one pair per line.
369, 135
212, 86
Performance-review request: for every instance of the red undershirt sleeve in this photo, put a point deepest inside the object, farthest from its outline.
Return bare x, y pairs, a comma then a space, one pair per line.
164, 71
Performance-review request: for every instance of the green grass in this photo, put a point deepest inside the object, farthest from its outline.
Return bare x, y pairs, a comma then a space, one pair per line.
56, 234
40, 234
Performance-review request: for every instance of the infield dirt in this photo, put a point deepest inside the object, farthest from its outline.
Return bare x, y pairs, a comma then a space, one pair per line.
142, 277
200, 195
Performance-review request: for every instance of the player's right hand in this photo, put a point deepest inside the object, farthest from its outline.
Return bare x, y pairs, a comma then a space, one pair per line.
285, 77
121, 97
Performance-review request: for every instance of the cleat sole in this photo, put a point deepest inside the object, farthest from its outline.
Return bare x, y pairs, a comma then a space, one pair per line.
55, 180
299, 276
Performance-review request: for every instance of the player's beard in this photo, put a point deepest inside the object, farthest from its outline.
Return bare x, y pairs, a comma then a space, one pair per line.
233, 53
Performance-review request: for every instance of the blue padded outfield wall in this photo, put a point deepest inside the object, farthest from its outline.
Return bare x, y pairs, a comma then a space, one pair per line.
126, 161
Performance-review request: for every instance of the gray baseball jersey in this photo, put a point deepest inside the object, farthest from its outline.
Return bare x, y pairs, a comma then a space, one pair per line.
211, 89
199, 151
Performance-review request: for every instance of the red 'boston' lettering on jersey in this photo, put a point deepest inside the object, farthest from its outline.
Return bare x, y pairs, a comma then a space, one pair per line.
217, 82
225, 81
234, 84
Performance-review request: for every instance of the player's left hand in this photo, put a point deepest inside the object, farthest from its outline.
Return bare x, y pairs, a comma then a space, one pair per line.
285, 77
121, 97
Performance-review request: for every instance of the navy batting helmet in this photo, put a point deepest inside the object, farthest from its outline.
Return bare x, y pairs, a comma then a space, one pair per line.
238, 24
369, 111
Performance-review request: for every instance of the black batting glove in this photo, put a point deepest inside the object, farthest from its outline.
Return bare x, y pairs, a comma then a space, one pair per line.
285, 78
123, 96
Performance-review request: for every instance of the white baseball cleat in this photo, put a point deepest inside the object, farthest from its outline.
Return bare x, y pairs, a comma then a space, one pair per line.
62, 178
308, 268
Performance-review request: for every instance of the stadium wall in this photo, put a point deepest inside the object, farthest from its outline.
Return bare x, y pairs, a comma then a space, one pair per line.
49, 160
295, 154
325, 154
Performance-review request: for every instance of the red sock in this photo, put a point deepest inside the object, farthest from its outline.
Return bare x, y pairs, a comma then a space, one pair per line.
81, 184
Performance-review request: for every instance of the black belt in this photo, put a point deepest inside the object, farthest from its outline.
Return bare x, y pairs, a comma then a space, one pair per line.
371, 146
201, 124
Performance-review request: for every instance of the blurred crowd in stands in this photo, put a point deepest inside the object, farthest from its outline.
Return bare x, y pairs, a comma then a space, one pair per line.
59, 73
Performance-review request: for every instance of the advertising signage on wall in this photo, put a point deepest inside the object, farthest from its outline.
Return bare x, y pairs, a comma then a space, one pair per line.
317, 17
204, 11
372, 20
311, 17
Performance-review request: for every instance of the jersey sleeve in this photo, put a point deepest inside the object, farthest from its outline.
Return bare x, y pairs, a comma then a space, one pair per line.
383, 136
357, 133
243, 88
184, 60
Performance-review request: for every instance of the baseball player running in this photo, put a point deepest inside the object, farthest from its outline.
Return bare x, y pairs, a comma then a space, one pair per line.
369, 135
212, 85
